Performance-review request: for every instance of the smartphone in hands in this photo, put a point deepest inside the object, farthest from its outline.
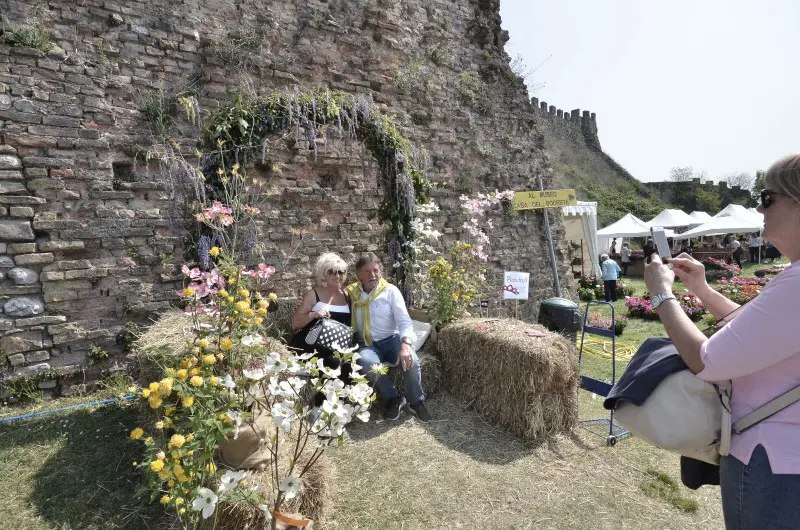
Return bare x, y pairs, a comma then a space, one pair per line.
660, 240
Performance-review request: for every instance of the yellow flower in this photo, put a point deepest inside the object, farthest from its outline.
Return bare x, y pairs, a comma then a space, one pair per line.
262, 311
164, 474
159, 425
242, 305
165, 386
273, 296
156, 465
155, 402
146, 393
248, 312
222, 417
171, 483
169, 410
211, 467
203, 343
153, 387
243, 292
263, 303
175, 442
167, 422
196, 350
148, 440
171, 371
182, 511
188, 401
194, 371
230, 299
220, 356
165, 499
213, 380
258, 320
209, 359
136, 433
214, 252
188, 292
196, 381
189, 438
182, 374
223, 293
226, 344
178, 501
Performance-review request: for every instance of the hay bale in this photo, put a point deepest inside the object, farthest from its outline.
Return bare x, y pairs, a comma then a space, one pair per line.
526, 384
431, 374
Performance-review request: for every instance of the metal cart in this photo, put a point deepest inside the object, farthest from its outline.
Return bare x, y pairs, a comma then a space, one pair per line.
601, 388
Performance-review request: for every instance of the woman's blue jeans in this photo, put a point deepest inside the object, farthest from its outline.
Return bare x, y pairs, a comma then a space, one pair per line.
386, 351
755, 498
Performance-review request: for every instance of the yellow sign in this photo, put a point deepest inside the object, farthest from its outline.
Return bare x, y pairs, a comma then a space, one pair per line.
532, 200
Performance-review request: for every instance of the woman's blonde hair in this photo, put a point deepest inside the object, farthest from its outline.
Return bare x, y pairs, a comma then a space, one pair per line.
784, 177
329, 261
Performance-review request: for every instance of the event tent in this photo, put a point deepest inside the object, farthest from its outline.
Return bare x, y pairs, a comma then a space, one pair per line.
628, 226
699, 217
671, 219
737, 210
726, 224
580, 223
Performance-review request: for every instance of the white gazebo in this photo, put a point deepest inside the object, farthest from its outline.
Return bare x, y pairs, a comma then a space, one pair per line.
671, 219
739, 211
728, 221
699, 217
580, 223
628, 226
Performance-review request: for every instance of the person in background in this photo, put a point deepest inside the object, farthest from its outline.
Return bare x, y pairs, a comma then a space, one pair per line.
752, 249
648, 249
611, 272
737, 251
625, 257
726, 240
758, 350
613, 249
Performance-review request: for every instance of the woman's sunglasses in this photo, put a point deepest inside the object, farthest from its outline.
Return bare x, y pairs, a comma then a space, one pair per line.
766, 198
332, 272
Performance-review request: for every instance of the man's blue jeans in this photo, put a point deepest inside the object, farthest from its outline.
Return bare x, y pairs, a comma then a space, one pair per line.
387, 351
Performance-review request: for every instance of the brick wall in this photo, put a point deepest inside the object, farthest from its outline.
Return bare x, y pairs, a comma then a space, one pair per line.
86, 237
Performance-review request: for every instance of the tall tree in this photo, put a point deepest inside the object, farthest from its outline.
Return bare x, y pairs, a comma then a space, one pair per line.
682, 174
740, 178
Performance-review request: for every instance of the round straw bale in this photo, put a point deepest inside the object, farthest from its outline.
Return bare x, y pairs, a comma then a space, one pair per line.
525, 383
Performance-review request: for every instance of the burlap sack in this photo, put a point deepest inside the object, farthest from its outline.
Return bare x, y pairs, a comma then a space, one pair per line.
246, 451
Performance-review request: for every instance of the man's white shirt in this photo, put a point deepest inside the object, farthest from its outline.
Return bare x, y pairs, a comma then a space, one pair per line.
387, 314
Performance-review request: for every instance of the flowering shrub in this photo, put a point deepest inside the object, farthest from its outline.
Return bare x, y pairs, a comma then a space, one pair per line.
424, 253
226, 379
740, 290
643, 307
455, 281
476, 208
597, 320
717, 268
595, 285
768, 271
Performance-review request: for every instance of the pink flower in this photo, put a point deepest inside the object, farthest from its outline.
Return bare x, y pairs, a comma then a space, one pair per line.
193, 274
265, 271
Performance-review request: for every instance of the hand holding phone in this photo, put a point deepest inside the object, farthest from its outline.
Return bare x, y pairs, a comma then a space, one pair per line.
660, 240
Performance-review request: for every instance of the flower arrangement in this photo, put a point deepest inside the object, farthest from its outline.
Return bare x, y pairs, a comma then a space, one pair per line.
597, 320
741, 293
455, 280
643, 307
591, 288
620, 323
227, 383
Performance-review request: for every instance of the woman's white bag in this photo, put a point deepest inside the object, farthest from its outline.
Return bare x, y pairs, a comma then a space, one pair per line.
684, 414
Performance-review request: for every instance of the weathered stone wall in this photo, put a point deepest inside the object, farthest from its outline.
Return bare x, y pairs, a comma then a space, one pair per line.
87, 241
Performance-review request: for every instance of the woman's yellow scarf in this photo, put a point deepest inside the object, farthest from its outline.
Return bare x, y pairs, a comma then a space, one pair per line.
354, 290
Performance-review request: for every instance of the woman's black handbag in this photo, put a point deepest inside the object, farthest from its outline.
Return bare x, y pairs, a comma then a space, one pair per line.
326, 332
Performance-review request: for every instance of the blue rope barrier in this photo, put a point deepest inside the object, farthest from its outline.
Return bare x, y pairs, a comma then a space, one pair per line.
71, 407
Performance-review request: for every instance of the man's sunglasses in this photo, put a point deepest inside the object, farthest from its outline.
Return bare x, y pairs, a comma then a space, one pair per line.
332, 272
766, 198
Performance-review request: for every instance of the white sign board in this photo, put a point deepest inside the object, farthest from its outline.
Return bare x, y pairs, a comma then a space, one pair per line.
515, 285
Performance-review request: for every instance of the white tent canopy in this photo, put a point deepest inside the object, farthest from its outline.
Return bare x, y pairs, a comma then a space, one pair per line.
737, 210
587, 211
628, 226
671, 219
699, 217
726, 224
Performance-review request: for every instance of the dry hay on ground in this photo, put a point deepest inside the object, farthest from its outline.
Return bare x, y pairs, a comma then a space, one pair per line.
165, 339
313, 502
526, 384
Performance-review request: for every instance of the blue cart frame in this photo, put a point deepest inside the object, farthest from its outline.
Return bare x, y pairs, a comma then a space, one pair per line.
595, 386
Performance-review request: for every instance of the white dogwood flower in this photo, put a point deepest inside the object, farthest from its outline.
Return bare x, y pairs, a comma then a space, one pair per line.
290, 486
255, 375
230, 480
206, 501
252, 340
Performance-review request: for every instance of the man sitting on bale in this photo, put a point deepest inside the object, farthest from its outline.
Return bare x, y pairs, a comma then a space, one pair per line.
385, 335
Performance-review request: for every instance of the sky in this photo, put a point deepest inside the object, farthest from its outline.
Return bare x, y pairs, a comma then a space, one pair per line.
712, 84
